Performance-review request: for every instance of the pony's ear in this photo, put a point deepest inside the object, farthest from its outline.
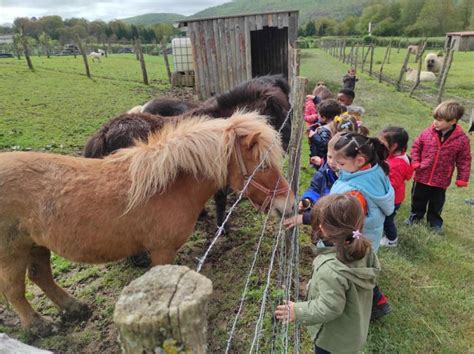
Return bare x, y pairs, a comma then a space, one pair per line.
251, 140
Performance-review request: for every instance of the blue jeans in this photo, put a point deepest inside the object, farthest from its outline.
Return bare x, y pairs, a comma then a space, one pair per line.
389, 227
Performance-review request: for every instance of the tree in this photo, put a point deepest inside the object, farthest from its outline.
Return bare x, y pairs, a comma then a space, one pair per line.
436, 18
325, 26
51, 25
45, 41
163, 30
464, 13
310, 29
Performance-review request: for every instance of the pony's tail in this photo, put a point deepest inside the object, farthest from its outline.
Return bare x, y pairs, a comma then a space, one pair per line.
96, 146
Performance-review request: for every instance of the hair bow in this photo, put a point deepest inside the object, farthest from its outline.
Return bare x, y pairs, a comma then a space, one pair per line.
356, 234
338, 119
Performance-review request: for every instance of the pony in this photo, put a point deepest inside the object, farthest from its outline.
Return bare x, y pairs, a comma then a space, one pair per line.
269, 95
266, 94
95, 56
147, 197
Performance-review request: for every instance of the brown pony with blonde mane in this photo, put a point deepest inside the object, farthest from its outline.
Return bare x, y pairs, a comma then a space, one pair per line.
146, 197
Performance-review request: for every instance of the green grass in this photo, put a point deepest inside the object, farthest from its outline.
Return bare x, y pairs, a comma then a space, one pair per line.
57, 107
428, 278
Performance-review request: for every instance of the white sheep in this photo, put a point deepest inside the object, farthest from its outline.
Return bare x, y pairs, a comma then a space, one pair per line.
414, 49
424, 75
434, 62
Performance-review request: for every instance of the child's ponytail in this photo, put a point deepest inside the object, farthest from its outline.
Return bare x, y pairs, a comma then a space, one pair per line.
352, 144
381, 154
338, 219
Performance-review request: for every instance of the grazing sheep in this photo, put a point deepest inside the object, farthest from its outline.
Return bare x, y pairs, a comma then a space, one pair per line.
434, 62
424, 75
414, 49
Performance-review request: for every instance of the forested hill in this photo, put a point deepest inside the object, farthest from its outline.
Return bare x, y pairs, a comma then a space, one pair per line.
152, 19
309, 9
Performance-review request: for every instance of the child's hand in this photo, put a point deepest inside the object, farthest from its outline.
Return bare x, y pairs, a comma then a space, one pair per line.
311, 133
293, 221
286, 312
461, 184
316, 160
310, 97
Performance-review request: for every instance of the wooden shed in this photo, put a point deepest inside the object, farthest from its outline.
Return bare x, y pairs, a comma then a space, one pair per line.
233, 49
461, 41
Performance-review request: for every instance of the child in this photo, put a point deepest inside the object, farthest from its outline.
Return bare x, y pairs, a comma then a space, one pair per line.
337, 310
349, 80
396, 140
346, 98
435, 153
323, 180
320, 137
363, 173
320, 93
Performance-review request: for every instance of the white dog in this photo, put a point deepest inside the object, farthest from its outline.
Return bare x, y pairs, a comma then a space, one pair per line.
424, 75
434, 62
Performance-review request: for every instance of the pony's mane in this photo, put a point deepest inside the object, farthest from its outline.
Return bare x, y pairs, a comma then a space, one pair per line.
199, 146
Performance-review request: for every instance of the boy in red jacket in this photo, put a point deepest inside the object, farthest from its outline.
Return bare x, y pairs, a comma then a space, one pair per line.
435, 153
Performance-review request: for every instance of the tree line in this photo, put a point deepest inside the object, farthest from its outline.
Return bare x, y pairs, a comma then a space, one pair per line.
428, 18
57, 30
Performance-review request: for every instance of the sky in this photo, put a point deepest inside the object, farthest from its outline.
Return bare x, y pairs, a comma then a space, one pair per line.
102, 9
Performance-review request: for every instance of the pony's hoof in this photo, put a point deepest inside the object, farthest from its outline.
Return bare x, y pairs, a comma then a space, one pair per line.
41, 327
77, 311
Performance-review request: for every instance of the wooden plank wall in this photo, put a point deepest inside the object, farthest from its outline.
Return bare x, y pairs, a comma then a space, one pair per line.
222, 49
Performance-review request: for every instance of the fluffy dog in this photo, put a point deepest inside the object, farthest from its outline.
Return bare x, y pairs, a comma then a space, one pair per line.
434, 62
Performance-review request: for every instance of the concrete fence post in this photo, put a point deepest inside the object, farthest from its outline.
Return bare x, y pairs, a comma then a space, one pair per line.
164, 311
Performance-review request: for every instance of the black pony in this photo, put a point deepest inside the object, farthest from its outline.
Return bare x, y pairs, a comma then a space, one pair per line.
269, 95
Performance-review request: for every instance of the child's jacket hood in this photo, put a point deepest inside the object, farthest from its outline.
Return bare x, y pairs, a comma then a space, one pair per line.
373, 184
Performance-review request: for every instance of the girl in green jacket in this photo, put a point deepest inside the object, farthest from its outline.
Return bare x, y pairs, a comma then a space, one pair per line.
337, 312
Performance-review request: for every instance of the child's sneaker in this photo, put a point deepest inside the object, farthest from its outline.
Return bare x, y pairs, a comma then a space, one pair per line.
385, 242
380, 309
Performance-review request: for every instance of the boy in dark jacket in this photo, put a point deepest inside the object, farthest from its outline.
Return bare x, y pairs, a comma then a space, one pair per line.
435, 153
349, 80
319, 138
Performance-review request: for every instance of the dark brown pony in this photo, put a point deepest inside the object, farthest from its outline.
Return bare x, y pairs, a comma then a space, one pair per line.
267, 95
102, 210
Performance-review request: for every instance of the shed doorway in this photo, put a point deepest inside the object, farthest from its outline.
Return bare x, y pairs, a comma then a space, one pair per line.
269, 48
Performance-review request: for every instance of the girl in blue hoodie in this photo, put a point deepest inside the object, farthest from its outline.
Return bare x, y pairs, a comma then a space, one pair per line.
363, 173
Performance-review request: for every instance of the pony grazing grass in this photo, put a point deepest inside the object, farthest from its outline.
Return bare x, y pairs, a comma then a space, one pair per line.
147, 197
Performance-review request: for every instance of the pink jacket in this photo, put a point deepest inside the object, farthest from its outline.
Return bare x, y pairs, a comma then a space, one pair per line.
400, 172
434, 163
310, 113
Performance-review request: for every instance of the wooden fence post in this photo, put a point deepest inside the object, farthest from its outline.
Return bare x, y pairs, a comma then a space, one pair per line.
142, 61
403, 70
356, 57
420, 63
371, 58
297, 128
344, 51
389, 51
445, 61
364, 58
383, 62
164, 311
165, 57
399, 44
445, 75
24, 43
84, 56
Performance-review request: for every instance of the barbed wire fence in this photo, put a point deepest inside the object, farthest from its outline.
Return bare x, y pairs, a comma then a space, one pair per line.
285, 248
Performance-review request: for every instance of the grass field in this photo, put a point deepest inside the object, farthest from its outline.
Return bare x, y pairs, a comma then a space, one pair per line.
428, 278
